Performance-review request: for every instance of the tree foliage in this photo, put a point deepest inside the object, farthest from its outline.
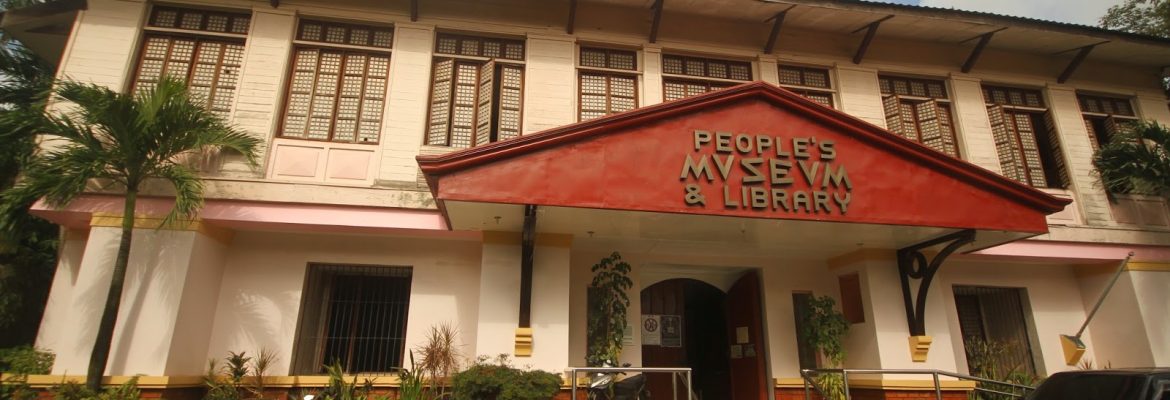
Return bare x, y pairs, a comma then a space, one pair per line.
1136, 160
28, 245
608, 303
121, 141
1146, 17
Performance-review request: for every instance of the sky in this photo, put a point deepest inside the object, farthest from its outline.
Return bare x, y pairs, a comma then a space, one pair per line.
1084, 12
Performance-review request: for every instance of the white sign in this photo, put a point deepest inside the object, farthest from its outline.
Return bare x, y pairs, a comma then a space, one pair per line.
651, 330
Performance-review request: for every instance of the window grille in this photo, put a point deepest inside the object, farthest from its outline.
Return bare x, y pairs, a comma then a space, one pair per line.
609, 58
1105, 117
674, 89
995, 315
473, 101
199, 20
919, 110
353, 315
812, 83
1026, 138
346, 34
506, 49
706, 68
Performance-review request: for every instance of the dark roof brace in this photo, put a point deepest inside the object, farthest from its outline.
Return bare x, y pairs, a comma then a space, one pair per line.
657, 7
572, 17
1076, 62
777, 22
913, 264
984, 39
870, 32
413, 10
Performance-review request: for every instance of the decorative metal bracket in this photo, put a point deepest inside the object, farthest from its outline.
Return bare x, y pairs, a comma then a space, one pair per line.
912, 264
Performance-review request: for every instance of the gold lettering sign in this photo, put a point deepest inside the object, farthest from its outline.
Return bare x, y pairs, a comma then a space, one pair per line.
775, 174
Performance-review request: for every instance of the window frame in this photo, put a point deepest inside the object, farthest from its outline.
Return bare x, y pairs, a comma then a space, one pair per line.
944, 101
1092, 117
148, 31
609, 73
479, 61
1059, 179
316, 339
344, 49
706, 80
831, 90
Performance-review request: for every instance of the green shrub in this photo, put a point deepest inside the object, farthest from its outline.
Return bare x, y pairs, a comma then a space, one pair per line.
500, 381
25, 360
77, 391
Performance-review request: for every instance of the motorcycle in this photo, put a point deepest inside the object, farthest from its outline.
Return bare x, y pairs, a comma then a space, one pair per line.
603, 387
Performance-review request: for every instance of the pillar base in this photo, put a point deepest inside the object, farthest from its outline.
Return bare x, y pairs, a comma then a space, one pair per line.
919, 346
523, 342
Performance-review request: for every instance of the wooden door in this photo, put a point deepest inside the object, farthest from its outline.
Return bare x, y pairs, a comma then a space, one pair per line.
745, 332
664, 298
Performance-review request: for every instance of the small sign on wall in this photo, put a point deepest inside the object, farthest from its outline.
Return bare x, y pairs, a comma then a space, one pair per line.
651, 330
671, 330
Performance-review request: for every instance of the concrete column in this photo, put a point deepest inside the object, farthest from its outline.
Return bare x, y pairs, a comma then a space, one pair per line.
171, 273
976, 141
102, 48
499, 299
1130, 328
1153, 106
860, 95
550, 82
884, 342
766, 69
404, 121
262, 77
1078, 155
56, 326
651, 74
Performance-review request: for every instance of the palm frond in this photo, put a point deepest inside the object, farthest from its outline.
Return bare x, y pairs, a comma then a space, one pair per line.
1136, 160
188, 192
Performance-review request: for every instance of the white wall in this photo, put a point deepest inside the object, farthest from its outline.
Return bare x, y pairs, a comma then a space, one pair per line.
1053, 301
260, 297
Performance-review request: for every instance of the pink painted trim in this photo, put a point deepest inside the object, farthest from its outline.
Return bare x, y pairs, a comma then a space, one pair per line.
257, 215
1075, 252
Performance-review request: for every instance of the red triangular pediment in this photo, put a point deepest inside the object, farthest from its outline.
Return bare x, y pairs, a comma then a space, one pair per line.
754, 150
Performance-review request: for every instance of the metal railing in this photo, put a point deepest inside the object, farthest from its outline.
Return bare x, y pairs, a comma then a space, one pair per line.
1015, 391
575, 372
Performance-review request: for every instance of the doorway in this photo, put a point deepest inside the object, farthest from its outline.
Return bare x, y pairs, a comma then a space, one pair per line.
715, 333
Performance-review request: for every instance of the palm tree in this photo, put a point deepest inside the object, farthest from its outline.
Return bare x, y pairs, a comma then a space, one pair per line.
1136, 160
122, 141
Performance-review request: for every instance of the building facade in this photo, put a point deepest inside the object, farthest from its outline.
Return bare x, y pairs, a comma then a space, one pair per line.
467, 162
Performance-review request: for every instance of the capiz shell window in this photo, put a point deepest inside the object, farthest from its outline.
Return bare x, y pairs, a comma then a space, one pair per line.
337, 88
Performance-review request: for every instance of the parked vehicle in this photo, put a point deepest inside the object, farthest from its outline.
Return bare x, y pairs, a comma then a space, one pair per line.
1109, 384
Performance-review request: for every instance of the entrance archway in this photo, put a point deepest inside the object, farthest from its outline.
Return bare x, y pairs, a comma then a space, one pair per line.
718, 335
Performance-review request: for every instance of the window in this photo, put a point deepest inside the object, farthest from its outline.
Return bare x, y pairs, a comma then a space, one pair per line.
851, 305
812, 83
1025, 135
1105, 117
994, 330
806, 350
688, 76
337, 82
476, 91
919, 110
607, 83
353, 315
203, 48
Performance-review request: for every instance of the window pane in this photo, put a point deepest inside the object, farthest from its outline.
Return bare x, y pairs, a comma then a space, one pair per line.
336, 95
198, 20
